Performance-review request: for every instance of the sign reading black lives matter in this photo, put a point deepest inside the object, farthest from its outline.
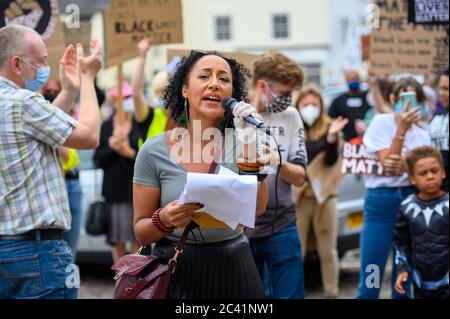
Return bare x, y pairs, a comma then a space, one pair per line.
128, 21
357, 161
399, 47
43, 17
428, 11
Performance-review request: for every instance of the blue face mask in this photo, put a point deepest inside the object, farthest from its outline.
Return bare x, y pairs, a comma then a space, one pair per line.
42, 75
422, 107
354, 85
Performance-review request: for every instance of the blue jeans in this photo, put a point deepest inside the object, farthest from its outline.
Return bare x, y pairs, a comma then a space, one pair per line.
37, 270
380, 212
74, 192
287, 263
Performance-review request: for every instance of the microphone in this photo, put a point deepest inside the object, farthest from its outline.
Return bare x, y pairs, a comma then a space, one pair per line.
230, 103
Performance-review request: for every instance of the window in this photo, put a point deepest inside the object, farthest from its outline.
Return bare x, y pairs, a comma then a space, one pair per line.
280, 24
223, 28
312, 71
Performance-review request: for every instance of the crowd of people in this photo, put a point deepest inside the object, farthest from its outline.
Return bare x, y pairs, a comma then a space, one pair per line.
43, 123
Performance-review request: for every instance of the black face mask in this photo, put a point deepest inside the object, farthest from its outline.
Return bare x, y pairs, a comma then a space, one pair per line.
49, 97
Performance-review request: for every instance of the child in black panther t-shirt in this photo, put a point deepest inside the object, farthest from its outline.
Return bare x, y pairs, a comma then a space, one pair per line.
421, 231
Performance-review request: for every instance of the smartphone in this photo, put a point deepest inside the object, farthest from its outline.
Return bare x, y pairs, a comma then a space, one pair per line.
411, 97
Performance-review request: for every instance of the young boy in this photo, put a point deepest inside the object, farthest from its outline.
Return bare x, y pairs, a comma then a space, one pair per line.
421, 230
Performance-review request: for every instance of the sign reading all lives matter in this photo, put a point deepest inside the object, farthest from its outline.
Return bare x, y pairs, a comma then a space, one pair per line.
128, 21
357, 161
399, 47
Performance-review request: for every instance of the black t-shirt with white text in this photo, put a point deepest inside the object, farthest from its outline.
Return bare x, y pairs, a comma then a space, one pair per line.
351, 107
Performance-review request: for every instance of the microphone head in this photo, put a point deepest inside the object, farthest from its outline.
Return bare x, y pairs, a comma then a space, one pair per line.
228, 103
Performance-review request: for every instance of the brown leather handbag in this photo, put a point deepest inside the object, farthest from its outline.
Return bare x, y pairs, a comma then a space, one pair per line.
146, 277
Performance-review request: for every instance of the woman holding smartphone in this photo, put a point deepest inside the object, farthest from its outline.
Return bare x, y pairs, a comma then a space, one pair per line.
390, 136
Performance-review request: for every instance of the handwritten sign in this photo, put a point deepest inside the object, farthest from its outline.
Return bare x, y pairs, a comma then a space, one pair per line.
128, 21
41, 16
357, 161
428, 11
396, 47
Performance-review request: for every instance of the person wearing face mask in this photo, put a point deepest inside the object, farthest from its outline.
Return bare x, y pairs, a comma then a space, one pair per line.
34, 205
115, 155
275, 241
321, 137
390, 136
351, 105
152, 119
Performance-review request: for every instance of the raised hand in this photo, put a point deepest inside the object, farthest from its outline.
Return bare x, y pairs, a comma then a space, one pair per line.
144, 45
91, 64
68, 70
407, 118
336, 126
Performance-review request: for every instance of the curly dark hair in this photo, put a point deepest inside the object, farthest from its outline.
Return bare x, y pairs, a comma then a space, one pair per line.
173, 97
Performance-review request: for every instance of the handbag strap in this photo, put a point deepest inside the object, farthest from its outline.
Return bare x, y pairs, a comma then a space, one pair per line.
179, 248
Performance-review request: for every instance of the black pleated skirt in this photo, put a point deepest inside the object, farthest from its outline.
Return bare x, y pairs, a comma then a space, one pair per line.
224, 270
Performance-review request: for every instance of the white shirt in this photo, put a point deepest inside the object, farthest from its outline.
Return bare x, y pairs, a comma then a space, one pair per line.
379, 136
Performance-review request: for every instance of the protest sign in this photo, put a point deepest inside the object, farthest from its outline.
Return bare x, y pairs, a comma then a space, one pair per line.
396, 47
41, 16
357, 161
428, 11
129, 21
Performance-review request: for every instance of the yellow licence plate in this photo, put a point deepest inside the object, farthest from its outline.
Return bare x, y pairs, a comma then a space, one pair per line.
355, 220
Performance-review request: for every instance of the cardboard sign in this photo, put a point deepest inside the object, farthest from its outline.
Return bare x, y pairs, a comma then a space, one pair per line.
428, 11
396, 47
129, 21
357, 161
41, 16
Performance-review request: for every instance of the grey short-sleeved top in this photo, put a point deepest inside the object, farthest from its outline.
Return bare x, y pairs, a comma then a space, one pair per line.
154, 167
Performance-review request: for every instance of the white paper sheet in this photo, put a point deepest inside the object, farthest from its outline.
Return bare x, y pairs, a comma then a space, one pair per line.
227, 196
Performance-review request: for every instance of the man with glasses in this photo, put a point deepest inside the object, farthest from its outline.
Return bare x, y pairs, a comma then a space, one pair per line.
34, 209
274, 241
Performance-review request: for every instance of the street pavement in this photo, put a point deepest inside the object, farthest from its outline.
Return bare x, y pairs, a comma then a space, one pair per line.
97, 282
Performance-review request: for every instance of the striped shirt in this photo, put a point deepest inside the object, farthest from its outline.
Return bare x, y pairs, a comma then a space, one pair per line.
33, 194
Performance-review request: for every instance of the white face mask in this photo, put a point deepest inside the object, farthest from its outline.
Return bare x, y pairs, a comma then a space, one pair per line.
310, 113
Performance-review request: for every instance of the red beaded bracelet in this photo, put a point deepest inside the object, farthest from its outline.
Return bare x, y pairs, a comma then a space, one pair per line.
159, 226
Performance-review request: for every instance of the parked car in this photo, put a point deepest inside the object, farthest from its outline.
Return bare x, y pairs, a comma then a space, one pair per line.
91, 249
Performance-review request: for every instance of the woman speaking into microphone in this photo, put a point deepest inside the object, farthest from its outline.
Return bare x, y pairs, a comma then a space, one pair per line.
216, 261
